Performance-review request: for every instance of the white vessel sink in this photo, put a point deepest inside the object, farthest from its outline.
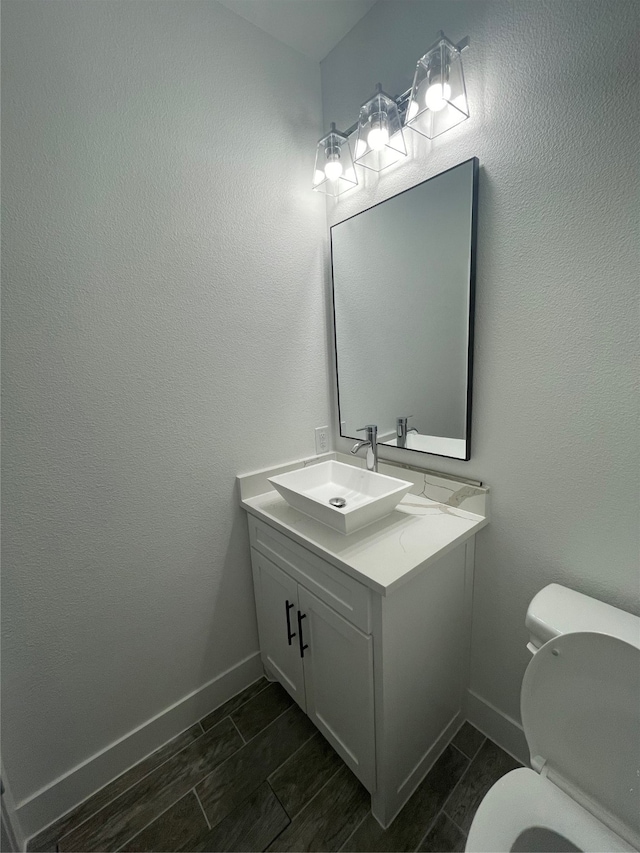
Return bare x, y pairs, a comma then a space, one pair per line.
367, 496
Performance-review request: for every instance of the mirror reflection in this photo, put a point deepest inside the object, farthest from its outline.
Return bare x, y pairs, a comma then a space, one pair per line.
403, 289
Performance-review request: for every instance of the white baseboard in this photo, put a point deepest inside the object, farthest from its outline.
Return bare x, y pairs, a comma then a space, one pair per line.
498, 726
49, 803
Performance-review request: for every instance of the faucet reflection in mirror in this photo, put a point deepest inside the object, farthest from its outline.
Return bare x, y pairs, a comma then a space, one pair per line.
436, 102
402, 430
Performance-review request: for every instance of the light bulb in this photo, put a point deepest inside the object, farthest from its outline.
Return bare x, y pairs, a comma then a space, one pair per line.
333, 169
378, 137
437, 95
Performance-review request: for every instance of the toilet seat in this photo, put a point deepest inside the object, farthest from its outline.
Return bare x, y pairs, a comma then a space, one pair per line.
522, 800
580, 705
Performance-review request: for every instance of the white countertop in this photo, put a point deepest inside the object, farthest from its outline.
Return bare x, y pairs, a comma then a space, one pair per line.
384, 554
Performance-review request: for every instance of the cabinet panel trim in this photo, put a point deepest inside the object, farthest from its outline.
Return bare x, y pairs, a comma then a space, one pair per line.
281, 659
338, 675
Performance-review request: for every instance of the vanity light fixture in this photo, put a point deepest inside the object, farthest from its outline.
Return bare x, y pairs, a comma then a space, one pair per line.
438, 98
334, 171
435, 103
380, 142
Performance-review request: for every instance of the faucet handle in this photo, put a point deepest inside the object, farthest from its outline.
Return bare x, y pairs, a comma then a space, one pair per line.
371, 431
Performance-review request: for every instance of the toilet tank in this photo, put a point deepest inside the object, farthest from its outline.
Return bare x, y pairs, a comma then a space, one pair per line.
558, 610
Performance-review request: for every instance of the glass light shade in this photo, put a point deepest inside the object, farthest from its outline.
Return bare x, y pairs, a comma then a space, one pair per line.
438, 99
380, 141
334, 172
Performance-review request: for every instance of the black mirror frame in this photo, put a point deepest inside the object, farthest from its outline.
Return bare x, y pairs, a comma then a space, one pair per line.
472, 303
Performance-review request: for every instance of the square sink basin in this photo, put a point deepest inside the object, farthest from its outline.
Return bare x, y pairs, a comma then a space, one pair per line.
342, 496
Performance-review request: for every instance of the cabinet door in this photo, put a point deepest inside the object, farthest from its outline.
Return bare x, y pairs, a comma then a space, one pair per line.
338, 674
277, 611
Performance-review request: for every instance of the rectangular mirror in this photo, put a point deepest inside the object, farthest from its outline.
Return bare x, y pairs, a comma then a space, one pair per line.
403, 300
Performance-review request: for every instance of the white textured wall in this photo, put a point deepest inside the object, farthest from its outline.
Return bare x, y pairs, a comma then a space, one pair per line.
554, 97
163, 330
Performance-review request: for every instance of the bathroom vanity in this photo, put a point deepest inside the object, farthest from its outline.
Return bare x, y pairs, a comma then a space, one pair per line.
369, 631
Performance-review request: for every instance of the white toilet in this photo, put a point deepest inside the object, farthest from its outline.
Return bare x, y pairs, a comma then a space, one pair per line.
580, 705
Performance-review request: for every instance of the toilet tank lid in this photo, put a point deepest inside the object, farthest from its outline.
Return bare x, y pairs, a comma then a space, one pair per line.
559, 610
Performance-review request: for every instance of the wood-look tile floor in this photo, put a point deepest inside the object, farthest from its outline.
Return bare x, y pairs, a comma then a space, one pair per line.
256, 775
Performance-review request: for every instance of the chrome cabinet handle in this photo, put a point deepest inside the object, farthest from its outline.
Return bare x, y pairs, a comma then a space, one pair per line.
303, 645
290, 634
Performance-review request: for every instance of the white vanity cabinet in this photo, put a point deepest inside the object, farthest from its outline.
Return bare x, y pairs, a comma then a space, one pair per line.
370, 632
324, 661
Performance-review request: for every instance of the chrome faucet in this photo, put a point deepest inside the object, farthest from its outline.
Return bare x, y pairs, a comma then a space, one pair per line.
371, 443
402, 430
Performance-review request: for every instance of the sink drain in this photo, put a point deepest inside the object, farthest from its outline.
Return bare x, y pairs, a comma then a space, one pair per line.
339, 502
